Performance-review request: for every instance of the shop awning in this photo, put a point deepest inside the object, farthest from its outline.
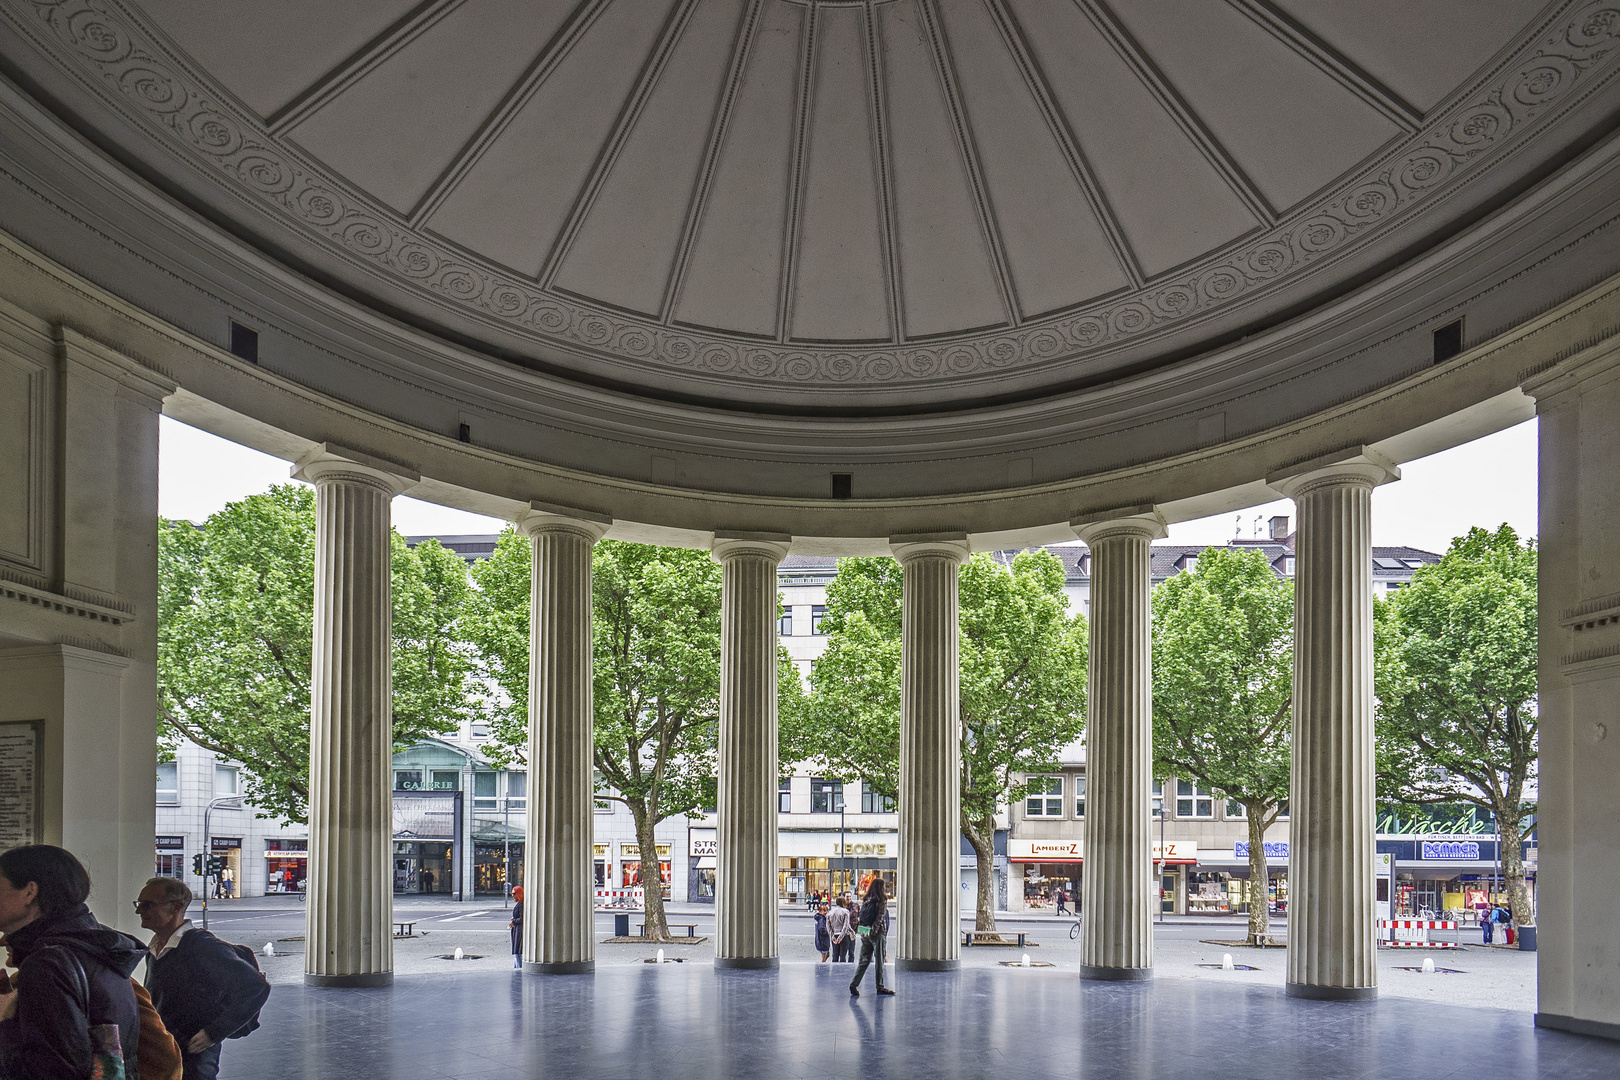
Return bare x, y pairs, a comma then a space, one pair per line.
706, 862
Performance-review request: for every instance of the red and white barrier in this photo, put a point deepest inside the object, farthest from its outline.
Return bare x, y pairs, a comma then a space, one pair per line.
1414, 933
621, 899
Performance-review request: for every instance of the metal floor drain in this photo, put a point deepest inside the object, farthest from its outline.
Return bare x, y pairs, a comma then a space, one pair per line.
1020, 963
1437, 971
666, 960
1234, 967
463, 956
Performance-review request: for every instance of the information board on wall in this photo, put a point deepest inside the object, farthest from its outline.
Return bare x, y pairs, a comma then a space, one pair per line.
22, 786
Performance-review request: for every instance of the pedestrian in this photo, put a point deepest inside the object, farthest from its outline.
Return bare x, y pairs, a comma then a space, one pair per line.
1487, 923
204, 989
71, 1004
1062, 899
841, 929
516, 926
823, 936
873, 929
1504, 918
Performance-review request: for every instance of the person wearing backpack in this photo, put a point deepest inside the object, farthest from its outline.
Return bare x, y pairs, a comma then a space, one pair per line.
71, 1007
206, 990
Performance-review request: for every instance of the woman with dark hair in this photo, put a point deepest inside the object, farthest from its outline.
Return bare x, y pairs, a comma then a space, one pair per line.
873, 929
73, 973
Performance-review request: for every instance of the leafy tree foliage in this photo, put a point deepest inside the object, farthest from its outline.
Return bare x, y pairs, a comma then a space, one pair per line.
1022, 685
656, 688
1222, 686
236, 631
1456, 684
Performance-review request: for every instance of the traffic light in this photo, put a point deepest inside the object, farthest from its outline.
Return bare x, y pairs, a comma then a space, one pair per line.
216, 863
197, 864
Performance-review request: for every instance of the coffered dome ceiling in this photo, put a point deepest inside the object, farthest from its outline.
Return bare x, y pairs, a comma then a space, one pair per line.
835, 205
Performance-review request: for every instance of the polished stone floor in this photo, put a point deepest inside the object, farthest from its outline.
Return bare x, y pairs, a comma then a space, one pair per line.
690, 1021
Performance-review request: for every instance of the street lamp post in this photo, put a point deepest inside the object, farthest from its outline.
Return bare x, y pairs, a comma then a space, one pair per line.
506, 848
1158, 864
843, 845
208, 848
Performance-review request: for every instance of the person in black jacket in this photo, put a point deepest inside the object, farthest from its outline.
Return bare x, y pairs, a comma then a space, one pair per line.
45, 1022
516, 926
204, 991
874, 918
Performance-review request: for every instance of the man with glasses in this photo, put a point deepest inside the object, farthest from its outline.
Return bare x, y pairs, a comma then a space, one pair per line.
204, 990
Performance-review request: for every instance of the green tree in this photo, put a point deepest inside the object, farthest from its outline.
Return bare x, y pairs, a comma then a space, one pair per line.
1222, 686
1022, 685
656, 686
236, 631
1456, 686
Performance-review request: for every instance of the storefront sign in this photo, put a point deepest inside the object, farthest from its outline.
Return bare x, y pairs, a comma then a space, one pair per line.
703, 845
633, 851
22, 787
169, 843
1176, 851
1043, 850
1451, 849
1275, 849
879, 849
827, 844
224, 843
600, 851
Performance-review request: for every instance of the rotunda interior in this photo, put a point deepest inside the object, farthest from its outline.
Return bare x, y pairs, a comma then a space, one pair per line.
834, 277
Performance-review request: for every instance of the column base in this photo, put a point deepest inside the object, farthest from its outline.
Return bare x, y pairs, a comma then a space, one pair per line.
558, 967
912, 964
1315, 992
748, 963
1576, 1026
1116, 974
363, 979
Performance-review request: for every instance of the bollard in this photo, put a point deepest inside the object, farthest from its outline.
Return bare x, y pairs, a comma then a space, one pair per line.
269, 948
1226, 963
458, 952
660, 956
1428, 965
1026, 959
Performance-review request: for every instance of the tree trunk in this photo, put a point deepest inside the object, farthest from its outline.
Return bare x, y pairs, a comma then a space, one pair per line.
657, 926
1509, 828
982, 835
1259, 876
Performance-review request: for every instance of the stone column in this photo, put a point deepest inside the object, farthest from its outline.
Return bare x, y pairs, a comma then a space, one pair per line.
930, 758
558, 934
1118, 887
350, 900
1332, 951
745, 880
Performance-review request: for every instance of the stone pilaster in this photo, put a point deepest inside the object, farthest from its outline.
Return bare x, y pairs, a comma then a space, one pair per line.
350, 900
1117, 886
1332, 951
558, 935
930, 758
745, 880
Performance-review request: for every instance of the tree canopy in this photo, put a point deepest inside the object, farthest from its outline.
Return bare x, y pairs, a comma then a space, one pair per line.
1021, 690
1456, 687
1222, 687
236, 632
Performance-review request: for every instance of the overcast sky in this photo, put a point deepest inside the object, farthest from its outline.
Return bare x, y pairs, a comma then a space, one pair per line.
1486, 483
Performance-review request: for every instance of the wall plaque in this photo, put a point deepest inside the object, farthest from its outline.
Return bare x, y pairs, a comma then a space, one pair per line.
22, 785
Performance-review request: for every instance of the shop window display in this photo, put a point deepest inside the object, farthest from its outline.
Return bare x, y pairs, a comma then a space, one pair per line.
285, 863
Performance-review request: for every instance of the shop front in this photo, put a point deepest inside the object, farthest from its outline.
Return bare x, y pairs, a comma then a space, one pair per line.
1220, 884
823, 863
1044, 870
602, 858
1448, 876
497, 857
426, 827
701, 851
171, 857
228, 882
285, 864
630, 860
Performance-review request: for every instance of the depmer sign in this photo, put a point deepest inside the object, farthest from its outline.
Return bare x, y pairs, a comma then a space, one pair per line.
1451, 849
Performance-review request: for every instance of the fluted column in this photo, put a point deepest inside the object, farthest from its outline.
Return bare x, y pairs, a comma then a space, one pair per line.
558, 897
350, 900
745, 880
1331, 905
1117, 886
930, 758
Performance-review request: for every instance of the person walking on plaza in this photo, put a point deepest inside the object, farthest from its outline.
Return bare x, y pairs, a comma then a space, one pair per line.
71, 1004
517, 926
873, 929
1062, 899
204, 989
840, 928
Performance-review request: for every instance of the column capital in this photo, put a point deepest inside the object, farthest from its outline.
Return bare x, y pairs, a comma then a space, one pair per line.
542, 517
1143, 521
768, 546
953, 546
1355, 466
328, 463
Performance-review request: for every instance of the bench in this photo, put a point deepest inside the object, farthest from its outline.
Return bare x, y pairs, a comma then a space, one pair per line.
689, 927
993, 937
405, 929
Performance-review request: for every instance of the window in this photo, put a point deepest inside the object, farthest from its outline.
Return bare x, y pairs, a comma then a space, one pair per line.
818, 612
873, 802
480, 730
168, 782
1158, 798
1190, 563
1079, 796
225, 781
446, 780
826, 796
1193, 801
517, 789
784, 797
784, 623
407, 779
1044, 796
1235, 811
484, 797
1288, 566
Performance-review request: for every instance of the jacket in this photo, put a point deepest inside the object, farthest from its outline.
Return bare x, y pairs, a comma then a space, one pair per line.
49, 1036
875, 913
838, 923
202, 984
158, 1052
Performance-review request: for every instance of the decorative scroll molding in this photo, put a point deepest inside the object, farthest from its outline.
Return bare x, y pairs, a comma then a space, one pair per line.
1571, 57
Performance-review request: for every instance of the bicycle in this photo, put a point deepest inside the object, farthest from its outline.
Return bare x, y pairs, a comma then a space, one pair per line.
1074, 931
